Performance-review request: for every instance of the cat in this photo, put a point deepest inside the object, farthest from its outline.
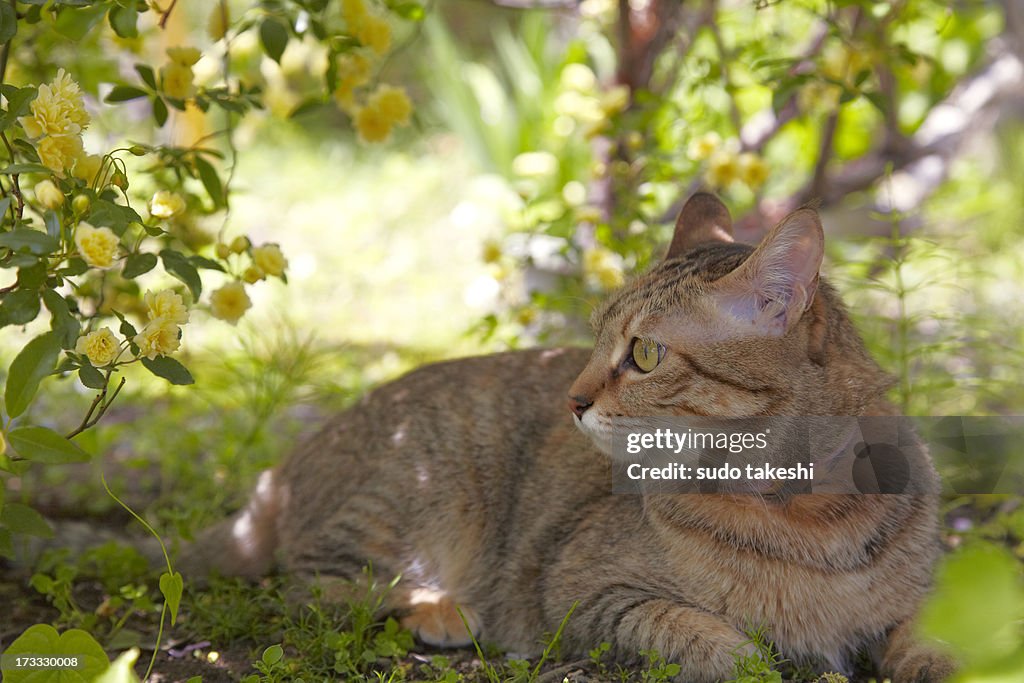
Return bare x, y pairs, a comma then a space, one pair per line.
485, 484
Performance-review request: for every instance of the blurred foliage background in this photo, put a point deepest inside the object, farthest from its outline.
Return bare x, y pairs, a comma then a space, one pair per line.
551, 144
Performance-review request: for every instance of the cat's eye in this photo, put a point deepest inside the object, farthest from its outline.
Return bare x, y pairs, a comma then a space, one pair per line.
647, 353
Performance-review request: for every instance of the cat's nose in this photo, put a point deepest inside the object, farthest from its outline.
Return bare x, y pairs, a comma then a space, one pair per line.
579, 404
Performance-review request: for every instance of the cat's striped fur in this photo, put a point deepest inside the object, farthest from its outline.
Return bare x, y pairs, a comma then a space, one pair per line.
470, 479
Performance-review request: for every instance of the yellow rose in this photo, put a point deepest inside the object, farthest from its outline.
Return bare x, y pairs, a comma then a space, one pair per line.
59, 152
603, 267
49, 195
184, 56
392, 103
87, 166
723, 169
371, 125
375, 33
753, 170
166, 204
220, 18
253, 274
269, 259
167, 304
100, 347
176, 80
160, 337
230, 302
704, 146
98, 246
354, 12
58, 109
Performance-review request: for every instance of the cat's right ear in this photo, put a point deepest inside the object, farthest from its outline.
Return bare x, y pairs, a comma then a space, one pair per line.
703, 219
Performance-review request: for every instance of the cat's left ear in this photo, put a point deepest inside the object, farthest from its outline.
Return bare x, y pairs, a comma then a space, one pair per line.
776, 284
704, 218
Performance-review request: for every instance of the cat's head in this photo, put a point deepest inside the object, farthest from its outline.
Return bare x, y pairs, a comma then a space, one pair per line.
725, 329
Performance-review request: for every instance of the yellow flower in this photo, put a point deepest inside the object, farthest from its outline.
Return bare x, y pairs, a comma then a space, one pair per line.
253, 274
59, 152
354, 12
239, 244
491, 251
230, 302
100, 347
98, 246
615, 99
220, 18
49, 195
753, 170
723, 169
372, 127
375, 33
184, 56
392, 103
160, 337
269, 259
87, 166
58, 109
168, 305
166, 204
353, 71
603, 267
176, 80
704, 146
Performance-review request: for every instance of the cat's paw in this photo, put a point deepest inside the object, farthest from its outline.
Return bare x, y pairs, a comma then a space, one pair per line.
439, 624
920, 664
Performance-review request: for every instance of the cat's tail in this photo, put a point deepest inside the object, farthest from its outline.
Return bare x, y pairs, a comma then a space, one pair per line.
243, 545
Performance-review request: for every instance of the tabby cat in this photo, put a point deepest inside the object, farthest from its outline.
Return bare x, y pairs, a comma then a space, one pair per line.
473, 481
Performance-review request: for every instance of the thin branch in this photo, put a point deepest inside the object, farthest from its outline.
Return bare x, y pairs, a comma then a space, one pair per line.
15, 186
820, 175
91, 420
167, 14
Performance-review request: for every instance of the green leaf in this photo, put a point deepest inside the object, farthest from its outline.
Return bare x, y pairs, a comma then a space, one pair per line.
108, 214
203, 262
159, 112
75, 23
272, 655
30, 366
52, 221
123, 20
42, 444
43, 639
274, 36
64, 325
171, 586
138, 264
169, 369
122, 670
6, 544
75, 266
18, 100
21, 519
126, 329
977, 604
178, 266
146, 74
8, 23
123, 93
14, 169
32, 276
29, 240
211, 181
91, 377
19, 307
411, 11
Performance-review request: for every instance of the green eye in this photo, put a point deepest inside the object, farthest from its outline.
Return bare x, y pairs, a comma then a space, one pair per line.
647, 353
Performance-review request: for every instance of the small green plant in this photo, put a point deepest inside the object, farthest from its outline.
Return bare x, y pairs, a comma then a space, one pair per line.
597, 657
271, 667
832, 677
760, 665
657, 669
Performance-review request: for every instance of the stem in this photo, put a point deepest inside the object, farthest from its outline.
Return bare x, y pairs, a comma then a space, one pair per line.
163, 24
7, 47
90, 420
15, 187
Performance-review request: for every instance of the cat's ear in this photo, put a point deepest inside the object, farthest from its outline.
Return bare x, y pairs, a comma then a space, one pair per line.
704, 218
776, 284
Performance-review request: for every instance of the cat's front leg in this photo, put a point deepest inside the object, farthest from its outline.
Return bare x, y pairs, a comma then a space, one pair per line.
906, 659
704, 645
